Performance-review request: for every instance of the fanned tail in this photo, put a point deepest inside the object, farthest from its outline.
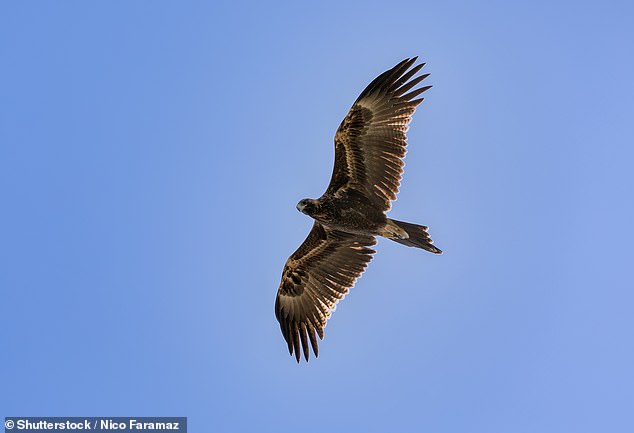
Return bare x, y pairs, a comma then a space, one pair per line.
411, 235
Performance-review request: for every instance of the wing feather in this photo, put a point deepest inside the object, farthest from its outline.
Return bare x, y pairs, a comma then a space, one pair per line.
370, 142
315, 278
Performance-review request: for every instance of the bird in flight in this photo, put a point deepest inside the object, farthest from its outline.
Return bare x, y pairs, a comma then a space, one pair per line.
369, 151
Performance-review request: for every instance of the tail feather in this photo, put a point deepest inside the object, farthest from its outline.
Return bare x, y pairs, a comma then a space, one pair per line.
417, 236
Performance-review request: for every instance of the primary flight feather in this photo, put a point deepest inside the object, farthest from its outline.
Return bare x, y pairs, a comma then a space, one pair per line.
369, 151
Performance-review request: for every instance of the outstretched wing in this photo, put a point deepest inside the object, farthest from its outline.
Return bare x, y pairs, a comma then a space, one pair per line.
317, 276
370, 142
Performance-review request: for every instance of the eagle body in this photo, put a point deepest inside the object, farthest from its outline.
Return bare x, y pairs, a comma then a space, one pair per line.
352, 212
369, 151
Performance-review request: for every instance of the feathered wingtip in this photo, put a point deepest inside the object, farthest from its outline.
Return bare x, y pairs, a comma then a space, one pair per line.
295, 332
396, 81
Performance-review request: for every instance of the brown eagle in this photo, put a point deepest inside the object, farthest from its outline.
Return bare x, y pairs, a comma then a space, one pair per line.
369, 148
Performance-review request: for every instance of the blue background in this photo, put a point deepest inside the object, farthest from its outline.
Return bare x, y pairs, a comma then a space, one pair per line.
151, 156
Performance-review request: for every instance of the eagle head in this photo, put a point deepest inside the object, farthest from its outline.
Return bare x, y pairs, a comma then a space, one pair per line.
307, 206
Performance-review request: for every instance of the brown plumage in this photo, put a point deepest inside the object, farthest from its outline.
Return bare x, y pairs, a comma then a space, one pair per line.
369, 148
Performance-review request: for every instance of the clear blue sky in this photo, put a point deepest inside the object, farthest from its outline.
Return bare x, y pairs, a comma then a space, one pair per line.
151, 156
